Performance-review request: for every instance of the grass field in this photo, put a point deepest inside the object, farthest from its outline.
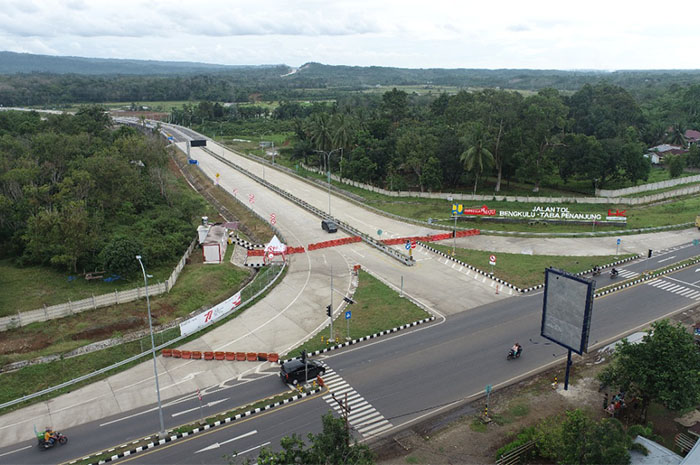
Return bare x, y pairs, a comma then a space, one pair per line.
199, 285
526, 270
376, 308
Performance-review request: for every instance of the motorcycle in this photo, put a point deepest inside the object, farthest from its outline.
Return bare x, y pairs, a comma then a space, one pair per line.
512, 355
596, 272
59, 439
613, 274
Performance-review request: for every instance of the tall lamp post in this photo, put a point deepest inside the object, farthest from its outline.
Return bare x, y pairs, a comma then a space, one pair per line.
153, 347
328, 167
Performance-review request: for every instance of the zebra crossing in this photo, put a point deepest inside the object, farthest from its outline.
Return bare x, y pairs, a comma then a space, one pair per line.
627, 274
363, 417
670, 286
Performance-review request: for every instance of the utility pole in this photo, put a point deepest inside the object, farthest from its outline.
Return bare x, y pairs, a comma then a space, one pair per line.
332, 339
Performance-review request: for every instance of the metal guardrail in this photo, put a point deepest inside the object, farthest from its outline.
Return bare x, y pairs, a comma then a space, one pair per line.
406, 260
138, 356
513, 457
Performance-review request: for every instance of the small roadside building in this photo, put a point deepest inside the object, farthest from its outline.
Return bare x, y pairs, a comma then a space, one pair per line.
214, 244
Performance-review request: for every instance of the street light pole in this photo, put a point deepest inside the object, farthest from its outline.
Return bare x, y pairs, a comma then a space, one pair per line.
153, 347
328, 173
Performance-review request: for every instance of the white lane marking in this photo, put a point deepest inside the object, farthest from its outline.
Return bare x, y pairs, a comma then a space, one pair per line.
209, 404
16, 450
253, 448
130, 416
216, 445
667, 259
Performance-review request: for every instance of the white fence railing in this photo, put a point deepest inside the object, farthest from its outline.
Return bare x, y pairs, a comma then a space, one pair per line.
648, 187
91, 303
606, 196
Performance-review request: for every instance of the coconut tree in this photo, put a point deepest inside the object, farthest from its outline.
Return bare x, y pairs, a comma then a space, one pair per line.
676, 135
477, 158
343, 132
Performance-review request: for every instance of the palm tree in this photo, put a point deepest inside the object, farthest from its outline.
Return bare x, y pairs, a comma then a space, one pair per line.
477, 157
343, 127
676, 135
321, 132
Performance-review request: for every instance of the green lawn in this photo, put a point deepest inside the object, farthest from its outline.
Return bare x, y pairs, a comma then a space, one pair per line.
32, 287
376, 308
199, 285
523, 270
34, 378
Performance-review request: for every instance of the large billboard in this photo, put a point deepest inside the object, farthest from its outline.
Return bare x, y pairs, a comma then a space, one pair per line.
567, 309
198, 143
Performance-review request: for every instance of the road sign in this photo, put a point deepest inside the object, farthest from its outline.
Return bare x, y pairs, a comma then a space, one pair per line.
488, 388
696, 242
407, 245
273, 218
192, 162
379, 232
618, 241
348, 314
270, 255
413, 244
251, 198
199, 394
492, 259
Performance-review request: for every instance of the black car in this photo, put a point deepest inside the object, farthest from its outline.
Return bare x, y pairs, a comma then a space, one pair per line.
330, 226
292, 372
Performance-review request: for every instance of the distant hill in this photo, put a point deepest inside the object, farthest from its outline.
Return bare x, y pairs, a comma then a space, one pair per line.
320, 75
13, 63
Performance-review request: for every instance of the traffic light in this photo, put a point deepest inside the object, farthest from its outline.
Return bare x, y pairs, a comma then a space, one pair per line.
328, 310
649, 254
303, 356
348, 300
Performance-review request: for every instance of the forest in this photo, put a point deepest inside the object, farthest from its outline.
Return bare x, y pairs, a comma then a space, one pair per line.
78, 194
597, 136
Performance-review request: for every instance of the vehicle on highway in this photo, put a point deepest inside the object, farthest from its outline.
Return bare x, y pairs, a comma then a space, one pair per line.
330, 226
49, 438
294, 371
514, 352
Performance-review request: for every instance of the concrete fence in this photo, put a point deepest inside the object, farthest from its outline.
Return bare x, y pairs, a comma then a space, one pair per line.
647, 187
91, 303
606, 196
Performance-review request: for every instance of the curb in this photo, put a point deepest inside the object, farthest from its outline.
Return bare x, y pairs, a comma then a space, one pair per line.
363, 338
185, 434
512, 286
648, 277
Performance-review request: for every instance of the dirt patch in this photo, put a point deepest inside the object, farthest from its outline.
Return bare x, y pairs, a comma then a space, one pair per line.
22, 345
106, 331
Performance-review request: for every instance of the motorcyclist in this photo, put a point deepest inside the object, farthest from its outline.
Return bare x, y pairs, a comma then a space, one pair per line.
596, 270
613, 272
516, 349
49, 436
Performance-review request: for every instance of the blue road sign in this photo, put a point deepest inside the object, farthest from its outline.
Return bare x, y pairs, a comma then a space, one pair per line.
193, 162
618, 241
347, 315
488, 388
408, 245
170, 138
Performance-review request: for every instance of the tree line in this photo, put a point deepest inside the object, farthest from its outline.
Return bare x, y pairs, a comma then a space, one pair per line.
78, 194
401, 141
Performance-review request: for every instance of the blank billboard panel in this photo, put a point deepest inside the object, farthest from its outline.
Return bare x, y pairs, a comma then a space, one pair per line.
198, 143
567, 309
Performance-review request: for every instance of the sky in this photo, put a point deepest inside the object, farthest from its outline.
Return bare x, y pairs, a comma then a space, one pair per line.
603, 35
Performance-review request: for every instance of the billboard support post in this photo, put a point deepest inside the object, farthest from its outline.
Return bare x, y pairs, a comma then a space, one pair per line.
568, 368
